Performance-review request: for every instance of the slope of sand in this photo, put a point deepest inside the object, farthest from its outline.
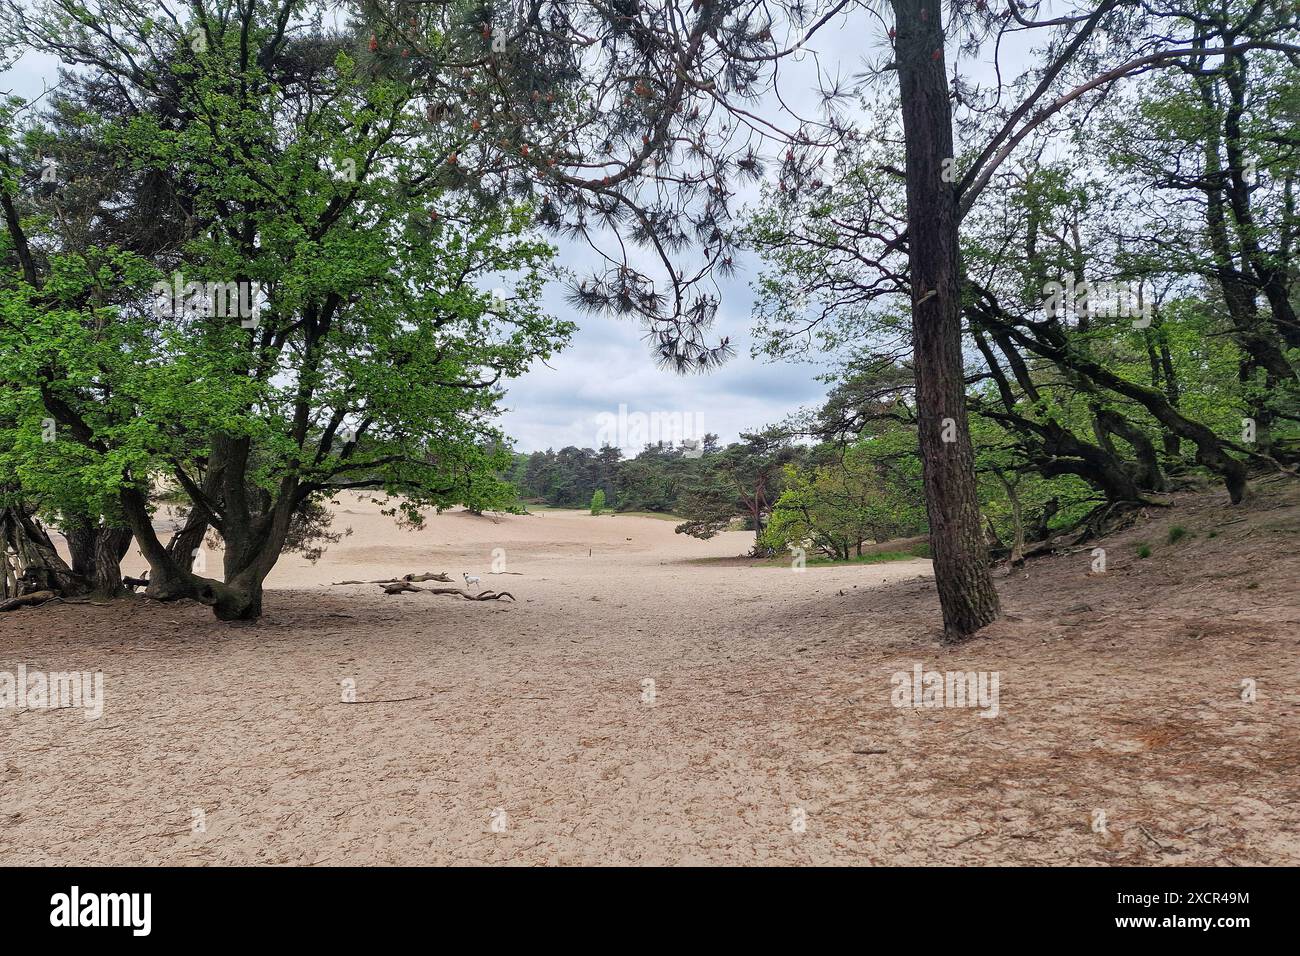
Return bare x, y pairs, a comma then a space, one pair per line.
1119, 693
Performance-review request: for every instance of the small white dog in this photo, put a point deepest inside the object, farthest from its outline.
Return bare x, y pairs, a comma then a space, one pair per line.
469, 578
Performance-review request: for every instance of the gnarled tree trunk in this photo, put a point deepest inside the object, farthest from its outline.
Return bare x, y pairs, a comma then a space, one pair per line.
31, 560
97, 553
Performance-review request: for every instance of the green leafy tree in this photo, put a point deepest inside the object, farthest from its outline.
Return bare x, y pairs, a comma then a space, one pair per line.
844, 503
375, 351
45, 482
742, 479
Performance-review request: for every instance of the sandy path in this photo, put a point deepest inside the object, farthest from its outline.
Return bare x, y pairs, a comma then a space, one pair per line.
771, 696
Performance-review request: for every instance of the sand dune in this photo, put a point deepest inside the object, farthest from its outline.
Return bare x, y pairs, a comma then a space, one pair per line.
639, 706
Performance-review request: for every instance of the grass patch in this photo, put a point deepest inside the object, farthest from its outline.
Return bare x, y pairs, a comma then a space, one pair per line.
880, 557
871, 557
1144, 551
661, 515
1177, 533
784, 560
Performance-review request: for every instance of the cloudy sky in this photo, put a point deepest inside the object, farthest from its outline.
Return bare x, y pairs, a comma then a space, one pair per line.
608, 364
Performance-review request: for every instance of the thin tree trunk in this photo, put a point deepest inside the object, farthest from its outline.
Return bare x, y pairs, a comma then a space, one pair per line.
1017, 522
965, 584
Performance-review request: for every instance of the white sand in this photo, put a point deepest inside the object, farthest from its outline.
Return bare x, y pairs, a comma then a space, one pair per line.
771, 696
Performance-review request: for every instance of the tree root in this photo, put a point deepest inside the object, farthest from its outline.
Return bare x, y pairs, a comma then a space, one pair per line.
1109, 518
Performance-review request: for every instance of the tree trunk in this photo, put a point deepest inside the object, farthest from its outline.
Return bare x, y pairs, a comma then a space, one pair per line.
81, 548
253, 546
1043, 529
1163, 376
111, 545
97, 553
38, 564
240, 599
1147, 469
1238, 294
965, 584
1017, 556
168, 580
188, 539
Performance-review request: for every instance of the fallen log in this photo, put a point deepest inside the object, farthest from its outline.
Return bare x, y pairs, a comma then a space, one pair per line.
397, 587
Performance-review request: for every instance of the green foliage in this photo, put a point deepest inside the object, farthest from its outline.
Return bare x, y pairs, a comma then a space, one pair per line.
654, 480
743, 478
869, 492
598, 501
567, 478
657, 479
1011, 488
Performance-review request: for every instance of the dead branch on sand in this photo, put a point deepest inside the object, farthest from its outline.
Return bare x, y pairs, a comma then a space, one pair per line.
35, 599
402, 587
426, 576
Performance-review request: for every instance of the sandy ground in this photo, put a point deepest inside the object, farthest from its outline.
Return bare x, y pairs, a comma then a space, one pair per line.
526, 733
